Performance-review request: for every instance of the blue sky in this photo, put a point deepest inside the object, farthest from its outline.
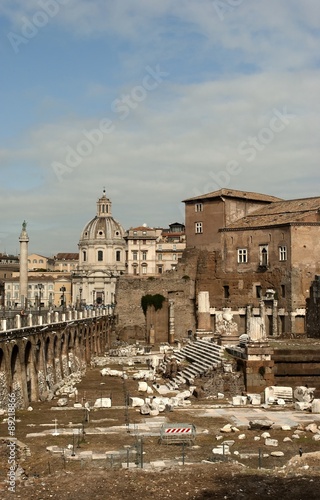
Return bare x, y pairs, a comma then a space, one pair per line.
156, 102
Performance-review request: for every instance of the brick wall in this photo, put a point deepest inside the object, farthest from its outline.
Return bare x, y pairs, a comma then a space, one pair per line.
177, 286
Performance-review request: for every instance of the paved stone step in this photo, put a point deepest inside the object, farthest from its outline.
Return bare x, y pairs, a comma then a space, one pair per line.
204, 348
203, 357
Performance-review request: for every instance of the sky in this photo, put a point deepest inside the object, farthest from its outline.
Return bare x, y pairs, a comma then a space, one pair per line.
154, 101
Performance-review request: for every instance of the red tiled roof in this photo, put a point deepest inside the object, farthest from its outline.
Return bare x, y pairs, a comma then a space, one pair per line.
303, 210
234, 193
67, 256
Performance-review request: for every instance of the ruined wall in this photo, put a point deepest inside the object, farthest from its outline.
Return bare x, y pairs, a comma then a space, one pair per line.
298, 366
313, 310
177, 286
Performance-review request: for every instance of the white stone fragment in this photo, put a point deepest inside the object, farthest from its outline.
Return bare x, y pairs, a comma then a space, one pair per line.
62, 402
265, 435
239, 400
136, 402
102, 403
226, 428
315, 406
312, 428
142, 386
271, 442
221, 450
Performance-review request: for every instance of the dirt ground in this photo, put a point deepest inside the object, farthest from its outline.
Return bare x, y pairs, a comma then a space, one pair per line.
191, 471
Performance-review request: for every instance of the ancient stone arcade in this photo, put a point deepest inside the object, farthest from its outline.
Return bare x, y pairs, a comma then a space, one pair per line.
35, 361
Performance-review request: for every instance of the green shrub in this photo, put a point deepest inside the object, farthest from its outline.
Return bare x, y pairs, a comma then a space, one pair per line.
152, 300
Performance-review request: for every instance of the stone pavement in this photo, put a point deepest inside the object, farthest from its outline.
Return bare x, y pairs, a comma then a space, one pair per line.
240, 417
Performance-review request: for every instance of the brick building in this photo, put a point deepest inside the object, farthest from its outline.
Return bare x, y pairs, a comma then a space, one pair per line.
205, 215
263, 256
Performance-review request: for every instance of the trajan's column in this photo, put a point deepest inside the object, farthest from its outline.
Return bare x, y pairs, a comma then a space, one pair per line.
24, 240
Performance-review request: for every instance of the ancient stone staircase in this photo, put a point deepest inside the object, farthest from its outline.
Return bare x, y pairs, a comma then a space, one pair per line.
202, 355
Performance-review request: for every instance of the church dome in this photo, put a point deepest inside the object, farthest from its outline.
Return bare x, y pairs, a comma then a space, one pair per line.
102, 244
103, 228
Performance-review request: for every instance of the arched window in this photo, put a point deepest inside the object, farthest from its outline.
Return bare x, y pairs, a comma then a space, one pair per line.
118, 255
84, 255
100, 255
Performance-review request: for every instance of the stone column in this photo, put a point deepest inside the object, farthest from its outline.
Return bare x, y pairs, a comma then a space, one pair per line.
18, 321
262, 308
24, 240
248, 319
171, 322
204, 319
275, 318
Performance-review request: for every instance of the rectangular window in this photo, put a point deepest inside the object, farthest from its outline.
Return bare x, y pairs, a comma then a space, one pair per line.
135, 255
198, 227
198, 207
159, 256
283, 291
144, 270
258, 291
144, 255
159, 247
282, 253
174, 256
242, 255
174, 247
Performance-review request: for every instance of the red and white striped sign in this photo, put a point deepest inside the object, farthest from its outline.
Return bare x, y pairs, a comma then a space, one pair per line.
178, 430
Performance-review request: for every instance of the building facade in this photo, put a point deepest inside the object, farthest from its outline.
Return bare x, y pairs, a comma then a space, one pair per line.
205, 215
265, 260
102, 258
153, 251
66, 262
38, 262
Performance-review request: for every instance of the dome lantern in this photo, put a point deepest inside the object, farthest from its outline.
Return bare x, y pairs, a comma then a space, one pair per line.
104, 206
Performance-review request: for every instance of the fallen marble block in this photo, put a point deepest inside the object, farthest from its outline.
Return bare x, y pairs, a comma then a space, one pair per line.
62, 402
102, 403
136, 402
315, 406
260, 424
